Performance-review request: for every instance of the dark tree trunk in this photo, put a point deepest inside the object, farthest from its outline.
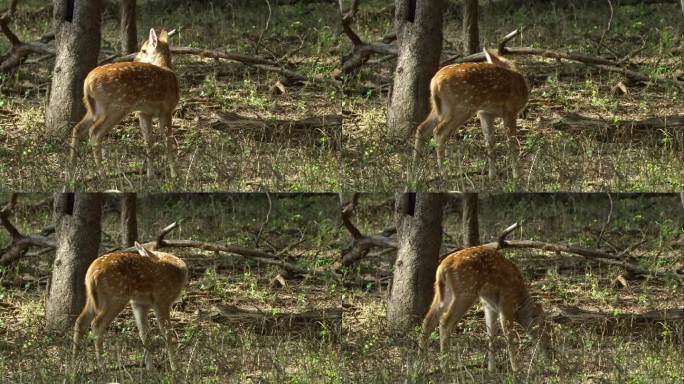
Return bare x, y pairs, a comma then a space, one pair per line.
77, 39
471, 226
129, 220
471, 28
129, 32
77, 227
419, 233
419, 36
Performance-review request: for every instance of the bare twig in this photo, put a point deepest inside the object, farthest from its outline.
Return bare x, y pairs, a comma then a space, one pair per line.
603, 35
160, 242
261, 35
603, 229
263, 224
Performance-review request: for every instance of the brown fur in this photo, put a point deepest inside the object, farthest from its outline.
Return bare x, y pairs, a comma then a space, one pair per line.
146, 280
457, 92
111, 92
482, 273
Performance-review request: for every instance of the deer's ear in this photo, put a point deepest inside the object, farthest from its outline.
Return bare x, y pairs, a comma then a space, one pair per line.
141, 250
489, 55
164, 36
494, 58
153, 38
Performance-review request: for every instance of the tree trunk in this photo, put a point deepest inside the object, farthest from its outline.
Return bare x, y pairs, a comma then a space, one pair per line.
77, 228
128, 30
419, 37
129, 220
471, 28
77, 42
471, 226
419, 233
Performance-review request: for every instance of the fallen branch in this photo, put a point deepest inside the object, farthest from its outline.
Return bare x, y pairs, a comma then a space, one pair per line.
253, 254
254, 61
19, 51
231, 314
361, 244
593, 254
648, 127
361, 51
20, 244
576, 315
594, 61
228, 121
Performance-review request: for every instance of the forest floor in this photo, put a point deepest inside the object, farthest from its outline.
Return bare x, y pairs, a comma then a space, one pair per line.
217, 342
217, 151
577, 134
600, 348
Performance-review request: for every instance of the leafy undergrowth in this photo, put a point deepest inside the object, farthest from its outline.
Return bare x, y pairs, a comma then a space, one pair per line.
601, 349
211, 156
213, 345
602, 152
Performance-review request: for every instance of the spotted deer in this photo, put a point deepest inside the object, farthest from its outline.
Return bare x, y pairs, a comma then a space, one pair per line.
147, 86
147, 279
482, 273
493, 89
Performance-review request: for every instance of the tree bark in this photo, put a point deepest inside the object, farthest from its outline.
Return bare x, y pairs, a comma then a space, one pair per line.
129, 220
77, 42
77, 228
419, 37
419, 233
471, 226
128, 29
471, 28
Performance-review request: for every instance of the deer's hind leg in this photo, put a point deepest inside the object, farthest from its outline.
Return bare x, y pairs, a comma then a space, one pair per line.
140, 312
105, 314
167, 129
491, 320
164, 320
487, 122
510, 120
453, 119
98, 129
146, 128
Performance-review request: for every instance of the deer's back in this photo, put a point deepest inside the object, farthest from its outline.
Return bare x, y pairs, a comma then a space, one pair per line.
135, 85
481, 86
139, 278
485, 272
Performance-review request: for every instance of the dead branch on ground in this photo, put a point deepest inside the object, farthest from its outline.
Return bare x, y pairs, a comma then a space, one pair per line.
254, 61
576, 315
598, 62
361, 51
20, 244
592, 254
361, 244
231, 314
268, 129
248, 253
19, 51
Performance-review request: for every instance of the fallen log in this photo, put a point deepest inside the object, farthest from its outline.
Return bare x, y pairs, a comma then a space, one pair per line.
272, 128
274, 319
20, 244
577, 315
